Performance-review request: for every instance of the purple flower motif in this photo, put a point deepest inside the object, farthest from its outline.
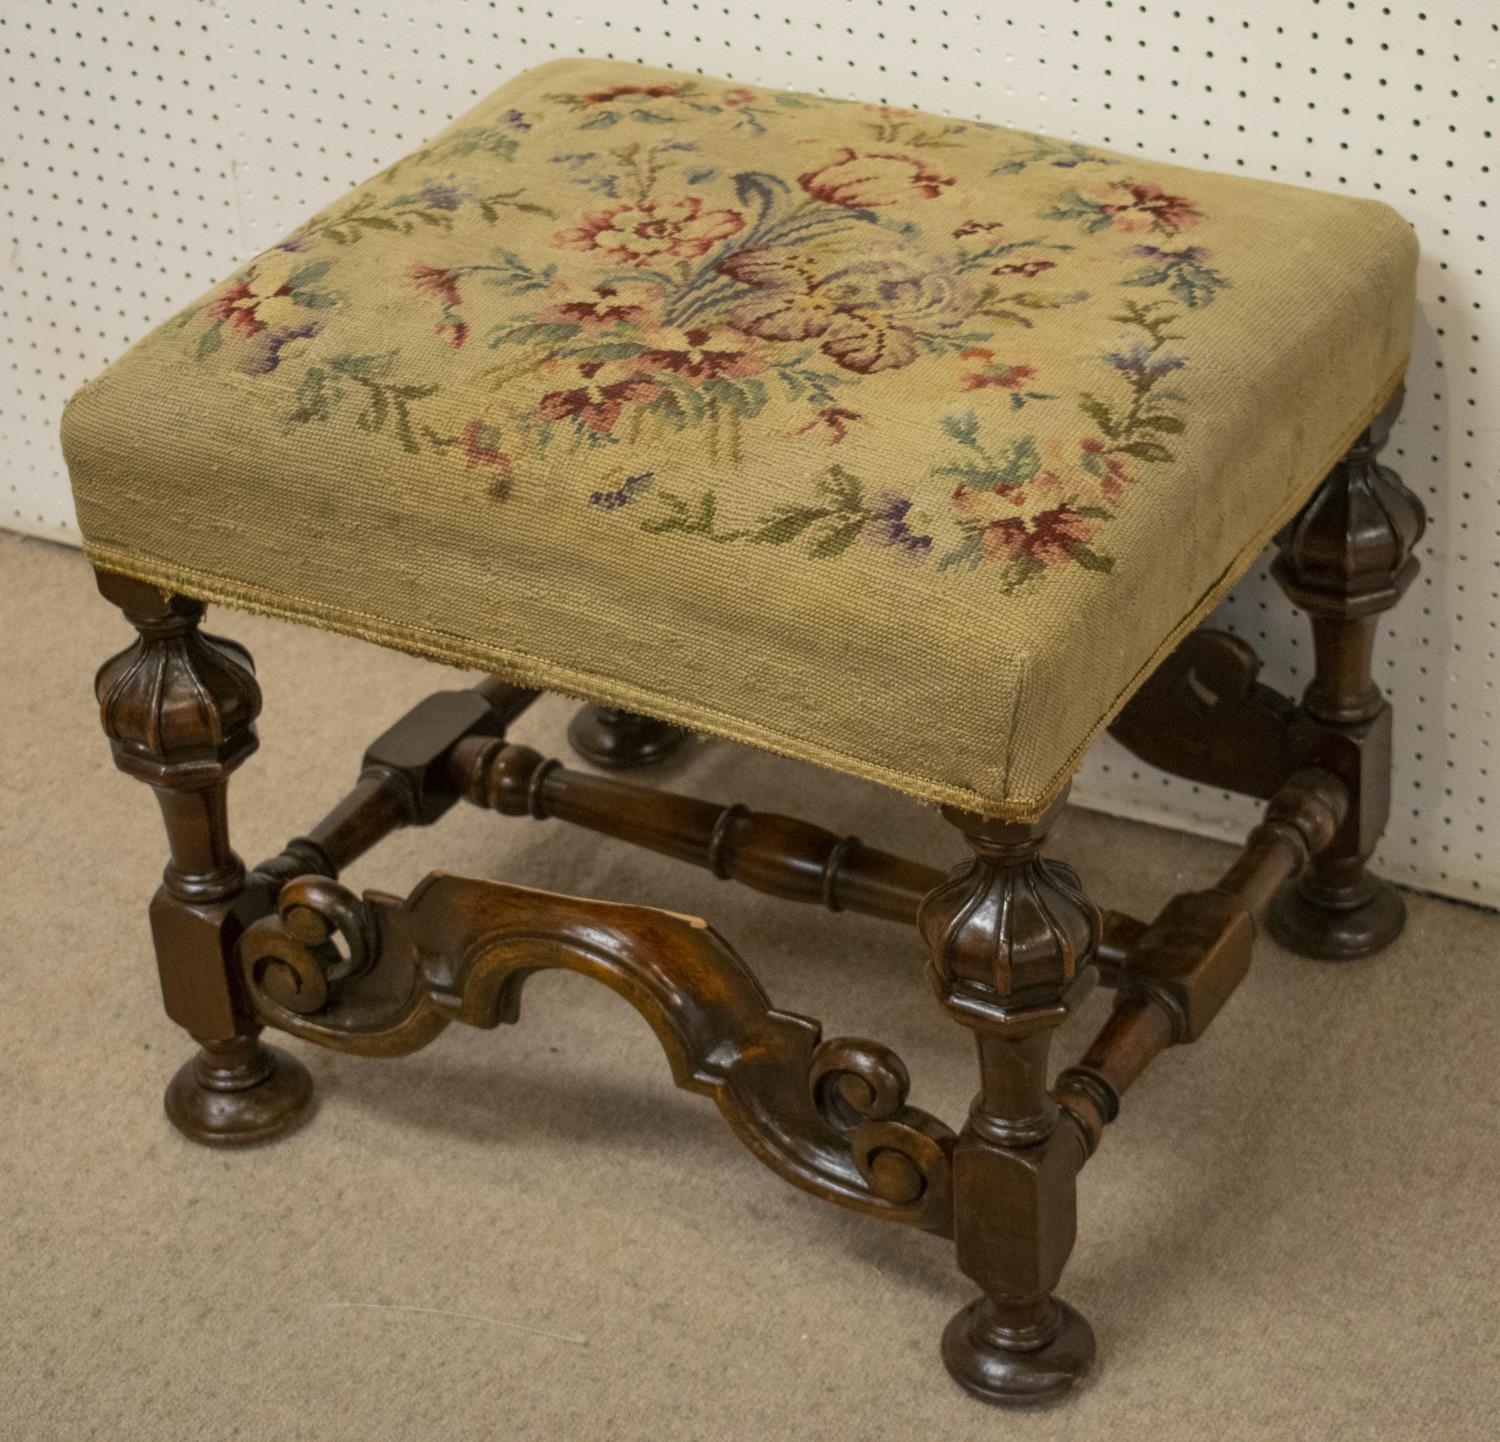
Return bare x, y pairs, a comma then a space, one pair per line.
888, 526
516, 120
624, 493
266, 348
442, 197
1140, 360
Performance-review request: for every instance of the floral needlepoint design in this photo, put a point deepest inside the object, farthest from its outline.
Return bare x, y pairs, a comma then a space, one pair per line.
641, 234
670, 300
1185, 273
832, 422
865, 313
1129, 206
269, 307
598, 406
865, 181
1000, 375
622, 494
481, 446
619, 92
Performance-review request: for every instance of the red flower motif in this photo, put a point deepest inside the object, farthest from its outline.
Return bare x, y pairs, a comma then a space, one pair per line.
994, 373
231, 305
737, 97
862, 180
455, 332
698, 357
1026, 268
977, 227
598, 407
480, 443
616, 92
594, 314
834, 419
640, 234
1144, 205
1109, 470
1049, 536
441, 283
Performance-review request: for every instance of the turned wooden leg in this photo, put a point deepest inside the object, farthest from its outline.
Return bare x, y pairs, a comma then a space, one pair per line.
1345, 559
619, 740
179, 709
1011, 938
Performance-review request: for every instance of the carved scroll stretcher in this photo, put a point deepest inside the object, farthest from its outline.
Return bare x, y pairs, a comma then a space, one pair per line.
830, 1116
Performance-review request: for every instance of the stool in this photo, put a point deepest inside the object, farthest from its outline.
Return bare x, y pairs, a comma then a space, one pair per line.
914, 447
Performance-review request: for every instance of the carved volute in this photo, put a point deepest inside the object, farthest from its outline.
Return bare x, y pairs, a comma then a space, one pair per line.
1008, 928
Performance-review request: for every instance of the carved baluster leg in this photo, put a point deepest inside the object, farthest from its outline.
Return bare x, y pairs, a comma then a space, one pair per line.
619, 740
1345, 559
1012, 938
179, 709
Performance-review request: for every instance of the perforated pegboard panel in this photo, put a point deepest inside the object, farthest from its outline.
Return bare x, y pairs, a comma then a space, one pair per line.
148, 147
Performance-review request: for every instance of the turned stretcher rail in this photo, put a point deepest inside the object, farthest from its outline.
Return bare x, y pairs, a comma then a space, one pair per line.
451, 746
1175, 974
403, 780
779, 855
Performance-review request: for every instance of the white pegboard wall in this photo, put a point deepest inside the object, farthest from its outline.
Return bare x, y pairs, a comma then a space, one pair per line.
148, 147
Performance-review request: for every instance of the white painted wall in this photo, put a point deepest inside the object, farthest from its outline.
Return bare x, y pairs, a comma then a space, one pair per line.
147, 147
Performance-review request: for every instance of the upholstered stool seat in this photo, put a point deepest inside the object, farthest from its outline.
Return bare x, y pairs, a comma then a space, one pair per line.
903, 444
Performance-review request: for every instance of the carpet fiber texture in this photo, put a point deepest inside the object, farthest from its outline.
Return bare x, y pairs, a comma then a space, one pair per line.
1290, 1233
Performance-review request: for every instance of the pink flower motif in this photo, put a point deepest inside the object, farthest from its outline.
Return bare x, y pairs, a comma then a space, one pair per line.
455, 332
737, 97
643, 233
479, 442
441, 283
1143, 205
1049, 536
236, 305
861, 180
1109, 470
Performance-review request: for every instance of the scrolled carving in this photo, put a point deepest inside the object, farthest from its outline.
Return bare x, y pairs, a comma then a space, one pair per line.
860, 1087
831, 1117
292, 960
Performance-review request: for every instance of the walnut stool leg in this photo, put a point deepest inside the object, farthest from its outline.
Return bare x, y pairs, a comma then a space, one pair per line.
619, 740
179, 709
1345, 559
1011, 938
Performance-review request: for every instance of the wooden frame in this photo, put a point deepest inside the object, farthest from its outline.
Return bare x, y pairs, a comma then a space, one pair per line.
1012, 939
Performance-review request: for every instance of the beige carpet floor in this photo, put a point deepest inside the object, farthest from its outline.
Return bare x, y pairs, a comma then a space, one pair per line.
1291, 1232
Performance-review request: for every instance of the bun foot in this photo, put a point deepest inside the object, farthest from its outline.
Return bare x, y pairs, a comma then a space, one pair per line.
239, 1093
1017, 1366
619, 740
1337, 923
